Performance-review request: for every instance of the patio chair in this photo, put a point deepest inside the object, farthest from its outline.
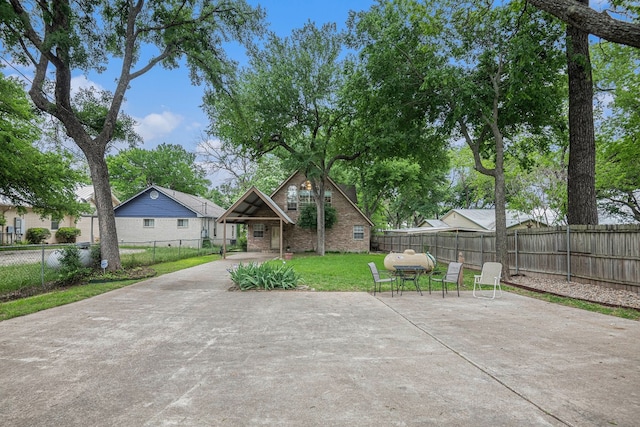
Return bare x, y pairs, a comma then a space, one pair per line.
378, 281
489, 276
452, 276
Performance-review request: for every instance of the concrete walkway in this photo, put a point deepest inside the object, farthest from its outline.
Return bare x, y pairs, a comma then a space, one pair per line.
181, 350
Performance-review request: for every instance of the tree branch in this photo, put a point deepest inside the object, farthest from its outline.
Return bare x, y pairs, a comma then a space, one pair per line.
591, 21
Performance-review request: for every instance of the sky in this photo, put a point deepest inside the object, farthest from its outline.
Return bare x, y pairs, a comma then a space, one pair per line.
164, 103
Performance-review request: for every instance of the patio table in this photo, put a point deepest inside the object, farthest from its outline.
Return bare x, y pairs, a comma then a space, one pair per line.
410, 273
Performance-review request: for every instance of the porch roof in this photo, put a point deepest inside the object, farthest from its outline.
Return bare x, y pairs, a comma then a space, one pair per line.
251, 202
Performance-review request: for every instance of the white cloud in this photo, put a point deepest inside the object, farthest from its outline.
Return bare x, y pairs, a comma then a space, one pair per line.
81, 82
157, 125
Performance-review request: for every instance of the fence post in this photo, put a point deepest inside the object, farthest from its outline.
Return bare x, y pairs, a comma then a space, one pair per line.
153, 258
568, 253
42, 265
516, 251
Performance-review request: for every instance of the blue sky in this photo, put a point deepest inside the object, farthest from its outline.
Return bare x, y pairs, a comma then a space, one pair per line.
165, 103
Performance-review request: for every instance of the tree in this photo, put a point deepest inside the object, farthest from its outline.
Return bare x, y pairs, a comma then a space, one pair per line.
582, 21
288, 102
61, 37
488, 75
579, 15
239, 171
44, 181
617, 76
468, 189
581, 179
167, 165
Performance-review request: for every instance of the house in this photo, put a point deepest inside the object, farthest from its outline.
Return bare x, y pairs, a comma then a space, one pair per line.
271, 220
472, 220
17, 223
159, 214
485, 219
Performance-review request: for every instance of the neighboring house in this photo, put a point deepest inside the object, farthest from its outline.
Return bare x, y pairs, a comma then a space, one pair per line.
271, 220
474, 220
159, 214
485, 219
18, 224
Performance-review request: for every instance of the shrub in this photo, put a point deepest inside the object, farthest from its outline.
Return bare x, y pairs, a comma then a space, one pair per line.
67, 234
96, 255
308, 218
242, 242
37, 235
71, 268
264, 276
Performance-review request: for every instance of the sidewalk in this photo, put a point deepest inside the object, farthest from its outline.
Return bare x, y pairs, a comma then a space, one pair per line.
182, 350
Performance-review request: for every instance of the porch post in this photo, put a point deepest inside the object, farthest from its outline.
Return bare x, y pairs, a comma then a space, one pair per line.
281, 238
224, 238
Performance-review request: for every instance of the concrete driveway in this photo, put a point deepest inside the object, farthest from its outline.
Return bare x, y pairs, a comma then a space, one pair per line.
181, 350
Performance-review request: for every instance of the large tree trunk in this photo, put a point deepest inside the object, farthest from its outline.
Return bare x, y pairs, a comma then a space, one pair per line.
581, 188
502, 254
107, 222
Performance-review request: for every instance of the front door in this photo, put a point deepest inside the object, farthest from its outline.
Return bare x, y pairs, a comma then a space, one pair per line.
275, 238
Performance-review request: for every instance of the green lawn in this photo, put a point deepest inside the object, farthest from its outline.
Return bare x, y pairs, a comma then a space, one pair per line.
333, 272
64, 296
350, 272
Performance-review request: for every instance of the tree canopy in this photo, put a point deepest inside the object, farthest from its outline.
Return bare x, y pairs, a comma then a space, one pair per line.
62, 37
28, 177
167, 165
487, 75
288, 102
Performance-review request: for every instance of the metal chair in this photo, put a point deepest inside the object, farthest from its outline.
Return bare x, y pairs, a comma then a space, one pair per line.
378, 281
490, 275
452, 276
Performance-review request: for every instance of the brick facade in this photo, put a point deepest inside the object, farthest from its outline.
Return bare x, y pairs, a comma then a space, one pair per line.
340, 238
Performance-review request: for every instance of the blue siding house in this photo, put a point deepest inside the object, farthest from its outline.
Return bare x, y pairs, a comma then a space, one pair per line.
159, 214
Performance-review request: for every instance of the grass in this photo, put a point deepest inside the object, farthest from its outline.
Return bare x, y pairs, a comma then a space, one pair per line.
349, 272
333, 272
624, 313
64, 296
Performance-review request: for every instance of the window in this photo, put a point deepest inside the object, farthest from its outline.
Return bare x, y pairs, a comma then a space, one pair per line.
358, 232
258, 231
148, 223
183, 223
292, 198
55, 225
306, 197
327, 197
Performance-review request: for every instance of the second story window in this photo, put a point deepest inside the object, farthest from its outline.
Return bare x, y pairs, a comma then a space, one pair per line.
292, 198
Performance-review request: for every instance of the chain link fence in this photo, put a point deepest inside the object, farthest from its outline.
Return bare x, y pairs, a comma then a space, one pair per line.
26, 269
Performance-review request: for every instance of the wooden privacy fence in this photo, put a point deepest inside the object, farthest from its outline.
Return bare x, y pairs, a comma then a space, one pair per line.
606, 255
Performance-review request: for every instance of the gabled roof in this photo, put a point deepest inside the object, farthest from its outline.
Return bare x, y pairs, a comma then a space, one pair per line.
434, 223
485, 219
342, 189
199, 205
247, 205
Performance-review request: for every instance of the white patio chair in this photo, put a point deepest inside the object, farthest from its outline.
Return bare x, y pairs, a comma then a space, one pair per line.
489, 276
